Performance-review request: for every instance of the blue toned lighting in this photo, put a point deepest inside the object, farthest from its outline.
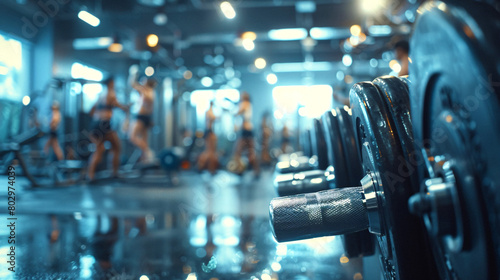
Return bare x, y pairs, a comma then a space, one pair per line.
347, 60
379, 30
287, 34
89, 18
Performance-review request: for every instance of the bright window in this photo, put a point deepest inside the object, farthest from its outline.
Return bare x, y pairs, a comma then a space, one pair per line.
308, 101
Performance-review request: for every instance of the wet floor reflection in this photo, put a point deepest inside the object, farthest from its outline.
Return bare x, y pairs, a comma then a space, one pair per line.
216, 228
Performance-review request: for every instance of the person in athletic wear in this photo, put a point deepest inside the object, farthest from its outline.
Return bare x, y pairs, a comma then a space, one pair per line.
401, 51
54, 124
139, 133
267, 132
246, 139
208, 159
101, 130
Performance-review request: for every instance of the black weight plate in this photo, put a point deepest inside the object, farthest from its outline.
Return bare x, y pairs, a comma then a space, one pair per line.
360, 243
351, 153
305, 144
335, 149
319, 145
397, 99
402, 246
310, 141
455, 68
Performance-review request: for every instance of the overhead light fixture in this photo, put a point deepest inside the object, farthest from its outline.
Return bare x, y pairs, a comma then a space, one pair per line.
187, 74
149, 71
26, 100
371, 6
302, 66
152, 40
249, 35
207, 81
89, 18
355, 30
379, 30
272, 79
287, 34
260, 63
228, 10
305, 7
248, 44
92, 43
116, 46
160, 19
347, 60
328, 33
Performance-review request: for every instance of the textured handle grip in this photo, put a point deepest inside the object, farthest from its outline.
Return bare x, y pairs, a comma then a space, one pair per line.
303, 182
331, 212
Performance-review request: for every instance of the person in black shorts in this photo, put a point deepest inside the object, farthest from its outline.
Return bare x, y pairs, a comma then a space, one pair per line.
209, 159
101, 130
54, 124
246, 140
140, 129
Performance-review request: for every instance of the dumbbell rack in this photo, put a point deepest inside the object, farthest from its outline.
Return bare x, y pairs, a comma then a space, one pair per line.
428, 147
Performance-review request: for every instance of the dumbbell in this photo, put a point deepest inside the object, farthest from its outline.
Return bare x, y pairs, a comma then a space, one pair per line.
344, 170
302, 180
382, 128
456, 119
318, 160
338, 139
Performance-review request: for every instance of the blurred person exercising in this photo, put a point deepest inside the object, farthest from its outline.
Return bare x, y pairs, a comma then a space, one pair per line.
246, 140
54, 124
208, 159
101, 130
140, 129
402, 51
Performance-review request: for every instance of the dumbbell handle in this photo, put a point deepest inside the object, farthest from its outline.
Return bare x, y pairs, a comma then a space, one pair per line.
331, 212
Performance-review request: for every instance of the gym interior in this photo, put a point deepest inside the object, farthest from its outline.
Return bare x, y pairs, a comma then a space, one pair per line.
250, 139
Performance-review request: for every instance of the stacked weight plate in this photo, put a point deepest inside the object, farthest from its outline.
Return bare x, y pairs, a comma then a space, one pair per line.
456, 119
379, 203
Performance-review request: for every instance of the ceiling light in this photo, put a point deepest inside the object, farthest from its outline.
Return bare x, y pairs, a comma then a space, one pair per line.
92, 43
187, 74
305, 6
248, 44
207, 81
26, 100
89, 18
272, 79
287, 34
379, 30
347, 60
371, 6
149, 71
328, 33
373, 62
355, 30
302, 66
260, 63
153, 3
115, 47
227, 9
152, 40
160, 19
249, 35
340, 75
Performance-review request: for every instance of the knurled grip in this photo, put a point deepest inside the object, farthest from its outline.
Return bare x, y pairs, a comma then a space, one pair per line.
325, 213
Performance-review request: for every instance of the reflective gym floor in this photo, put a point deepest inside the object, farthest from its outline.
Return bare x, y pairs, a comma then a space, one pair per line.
188, 226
